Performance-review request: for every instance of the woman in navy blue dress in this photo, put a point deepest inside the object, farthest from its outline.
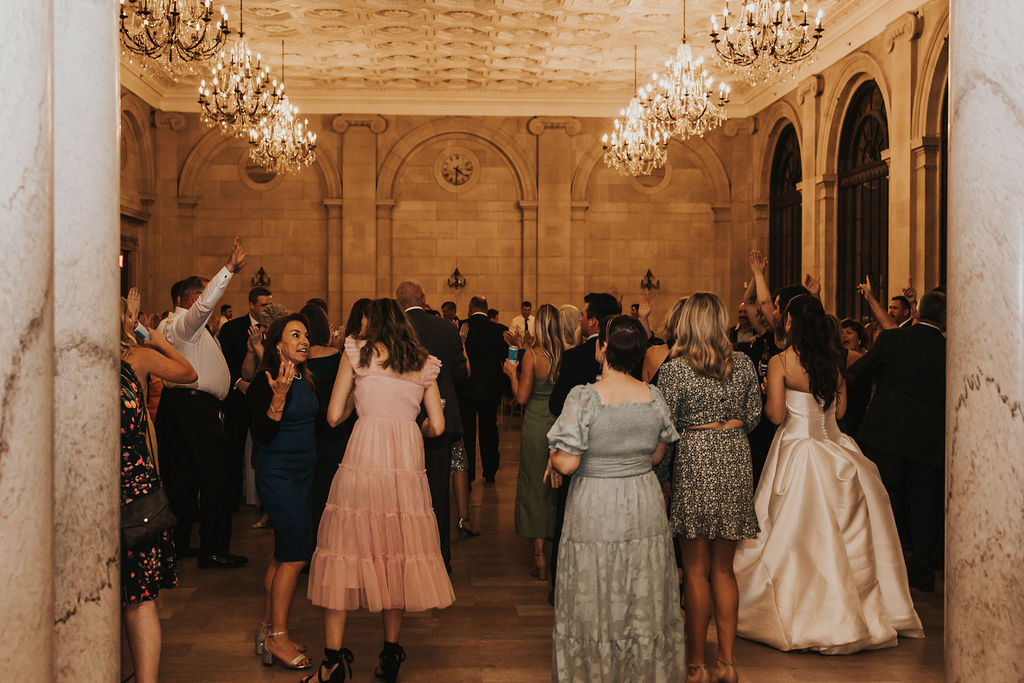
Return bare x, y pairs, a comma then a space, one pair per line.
284, 407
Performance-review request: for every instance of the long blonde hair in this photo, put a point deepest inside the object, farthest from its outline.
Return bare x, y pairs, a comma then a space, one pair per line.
547, 335
570, 316
668, 328
702, 336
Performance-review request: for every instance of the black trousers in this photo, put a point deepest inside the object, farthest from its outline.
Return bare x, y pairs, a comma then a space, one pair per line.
917, 494
195, 467
236, 428
486, 412
437, 458
562, 498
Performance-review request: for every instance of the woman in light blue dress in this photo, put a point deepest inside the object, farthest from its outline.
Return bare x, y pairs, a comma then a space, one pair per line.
617, 612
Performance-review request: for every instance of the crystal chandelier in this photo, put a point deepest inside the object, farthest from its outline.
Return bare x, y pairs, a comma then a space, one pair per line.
638, 145
280, 142
766, 40
240, 93
683, 101
172, 31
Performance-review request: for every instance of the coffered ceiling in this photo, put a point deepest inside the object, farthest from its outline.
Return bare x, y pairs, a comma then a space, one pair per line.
492, 56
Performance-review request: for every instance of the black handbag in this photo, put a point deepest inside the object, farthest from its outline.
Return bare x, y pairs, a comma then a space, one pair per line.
146, 516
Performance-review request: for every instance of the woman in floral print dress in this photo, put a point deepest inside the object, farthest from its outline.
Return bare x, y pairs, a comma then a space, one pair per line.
147, 566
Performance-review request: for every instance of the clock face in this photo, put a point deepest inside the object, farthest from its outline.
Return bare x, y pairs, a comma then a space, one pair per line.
457, 168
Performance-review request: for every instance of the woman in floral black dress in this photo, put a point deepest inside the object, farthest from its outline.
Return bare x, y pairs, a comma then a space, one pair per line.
147, 566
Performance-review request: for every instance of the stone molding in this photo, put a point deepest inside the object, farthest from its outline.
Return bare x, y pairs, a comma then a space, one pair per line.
908, 27
538, 124
169, 119
376, 123
812, 86
733, 127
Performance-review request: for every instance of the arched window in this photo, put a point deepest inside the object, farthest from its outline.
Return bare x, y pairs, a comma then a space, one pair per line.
862, 239
784, 218
943, 186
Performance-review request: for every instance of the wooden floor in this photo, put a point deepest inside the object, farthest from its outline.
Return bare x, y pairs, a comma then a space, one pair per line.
499, 628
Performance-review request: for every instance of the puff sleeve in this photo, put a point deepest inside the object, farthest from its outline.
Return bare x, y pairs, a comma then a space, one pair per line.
668, 429
571, 431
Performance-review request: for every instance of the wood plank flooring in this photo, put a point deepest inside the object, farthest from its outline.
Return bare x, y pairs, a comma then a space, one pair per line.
498, 630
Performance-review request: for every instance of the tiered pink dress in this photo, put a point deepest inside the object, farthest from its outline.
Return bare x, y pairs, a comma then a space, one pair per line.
378, 545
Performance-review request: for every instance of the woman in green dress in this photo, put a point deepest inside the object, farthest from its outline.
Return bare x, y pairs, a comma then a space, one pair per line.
535, 502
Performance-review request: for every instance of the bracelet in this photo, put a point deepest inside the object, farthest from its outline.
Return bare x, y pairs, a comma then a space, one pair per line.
275, 411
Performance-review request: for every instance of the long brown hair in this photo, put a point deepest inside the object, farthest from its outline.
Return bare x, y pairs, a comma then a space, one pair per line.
387, 325
702, 336
128, 341
547, 334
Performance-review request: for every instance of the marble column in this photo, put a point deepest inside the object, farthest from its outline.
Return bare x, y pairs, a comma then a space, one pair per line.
86, 311
554, 209
366, 256
984, 580
26, 342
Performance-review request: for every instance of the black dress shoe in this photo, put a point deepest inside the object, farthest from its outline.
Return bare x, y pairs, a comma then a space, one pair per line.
225, 561
922, 581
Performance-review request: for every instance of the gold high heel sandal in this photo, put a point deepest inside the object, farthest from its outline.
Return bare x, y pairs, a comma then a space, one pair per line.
299, 661
465, 527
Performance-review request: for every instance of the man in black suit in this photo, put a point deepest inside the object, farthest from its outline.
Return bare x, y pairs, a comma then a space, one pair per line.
904, 429
234, 337
480, 394
442, 340
579, 366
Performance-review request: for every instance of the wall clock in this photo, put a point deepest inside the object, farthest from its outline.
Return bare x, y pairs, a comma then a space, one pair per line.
457, 169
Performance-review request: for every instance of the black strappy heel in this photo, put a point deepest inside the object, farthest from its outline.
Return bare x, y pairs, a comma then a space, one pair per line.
339, 659
391, 658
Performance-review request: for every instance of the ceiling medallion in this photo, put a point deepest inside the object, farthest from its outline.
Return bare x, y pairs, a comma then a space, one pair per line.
241, 92
683, 101
766, 41
638, 144
172, 31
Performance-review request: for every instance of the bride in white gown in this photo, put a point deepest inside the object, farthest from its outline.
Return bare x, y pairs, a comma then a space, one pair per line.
827, 571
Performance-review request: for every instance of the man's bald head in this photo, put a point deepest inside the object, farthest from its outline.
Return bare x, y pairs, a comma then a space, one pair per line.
410, 293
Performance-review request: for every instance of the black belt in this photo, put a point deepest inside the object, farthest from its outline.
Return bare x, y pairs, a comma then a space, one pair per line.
182, 392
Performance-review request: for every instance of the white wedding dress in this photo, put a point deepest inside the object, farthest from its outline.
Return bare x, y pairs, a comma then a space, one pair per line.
826, 572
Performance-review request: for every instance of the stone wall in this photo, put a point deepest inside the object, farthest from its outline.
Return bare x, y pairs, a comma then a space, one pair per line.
542, 218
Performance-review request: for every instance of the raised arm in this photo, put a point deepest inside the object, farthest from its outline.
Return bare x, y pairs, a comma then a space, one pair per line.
758, 263
160, 359
885, 321
192, 323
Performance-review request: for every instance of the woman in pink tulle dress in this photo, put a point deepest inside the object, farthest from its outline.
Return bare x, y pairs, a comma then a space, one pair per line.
378, 544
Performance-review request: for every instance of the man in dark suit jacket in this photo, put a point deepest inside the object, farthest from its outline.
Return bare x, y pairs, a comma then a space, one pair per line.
904, 429
480, 394
442, 340
579, 366
234, 338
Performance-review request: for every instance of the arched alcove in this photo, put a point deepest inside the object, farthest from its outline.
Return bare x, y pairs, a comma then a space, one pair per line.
785, 218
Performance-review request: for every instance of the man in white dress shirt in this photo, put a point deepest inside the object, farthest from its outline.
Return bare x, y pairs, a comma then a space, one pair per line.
194, 454
523, 322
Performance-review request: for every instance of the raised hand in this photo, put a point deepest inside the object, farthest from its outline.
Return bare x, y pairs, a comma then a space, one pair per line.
134, 298
255, 340
645, 307
864, 288
237, 258
156, 338
813, 284
910, 292
285, 376
758, 262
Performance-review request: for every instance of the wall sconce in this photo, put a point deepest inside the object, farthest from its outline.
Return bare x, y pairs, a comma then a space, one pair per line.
649, 283
260, 279
456, 281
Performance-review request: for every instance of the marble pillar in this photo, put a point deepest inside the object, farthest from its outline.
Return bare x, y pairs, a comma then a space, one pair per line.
984, 580
554, 211
86, 231
26, 342
365, 270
